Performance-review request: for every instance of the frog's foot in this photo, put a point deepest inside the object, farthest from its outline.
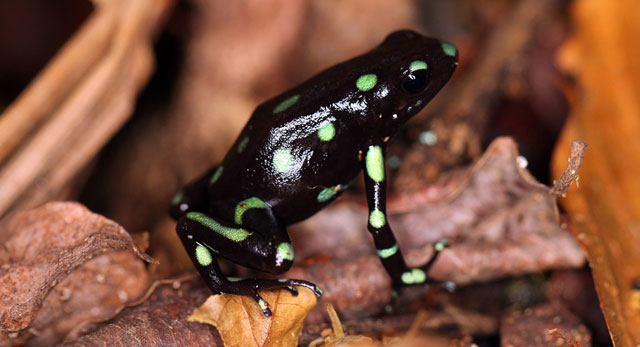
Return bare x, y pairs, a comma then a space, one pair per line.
418, 275
251, 286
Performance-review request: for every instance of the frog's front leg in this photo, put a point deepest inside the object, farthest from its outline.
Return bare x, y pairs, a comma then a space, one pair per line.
385, 242
255, 239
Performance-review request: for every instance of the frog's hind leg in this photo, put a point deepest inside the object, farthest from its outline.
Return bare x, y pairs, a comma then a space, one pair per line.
256, 240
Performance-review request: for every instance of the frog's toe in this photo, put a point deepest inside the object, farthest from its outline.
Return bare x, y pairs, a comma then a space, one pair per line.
441, 244
264, 306
293, 290
315, 289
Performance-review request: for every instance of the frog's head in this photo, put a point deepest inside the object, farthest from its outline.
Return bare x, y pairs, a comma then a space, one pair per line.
411, 70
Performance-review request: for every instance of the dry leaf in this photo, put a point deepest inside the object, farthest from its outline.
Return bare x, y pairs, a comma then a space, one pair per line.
240, 321
605, 210
94, 292
39, 249
544, 325
161, 320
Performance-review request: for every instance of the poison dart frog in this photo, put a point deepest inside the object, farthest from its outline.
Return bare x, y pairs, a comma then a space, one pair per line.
298, 152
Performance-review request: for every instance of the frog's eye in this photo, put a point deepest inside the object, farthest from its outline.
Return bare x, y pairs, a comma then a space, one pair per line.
415, 81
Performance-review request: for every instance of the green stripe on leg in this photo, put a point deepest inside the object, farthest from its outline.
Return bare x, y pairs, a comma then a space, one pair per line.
388, 252
414, 276
377, 219
247, 204
233, 234
374, 162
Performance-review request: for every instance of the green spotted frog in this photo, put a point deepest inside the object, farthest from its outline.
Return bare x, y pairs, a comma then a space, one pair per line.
298, 152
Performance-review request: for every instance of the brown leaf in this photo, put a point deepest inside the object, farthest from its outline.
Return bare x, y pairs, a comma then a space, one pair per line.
545, 325
241, 323
605, 210
159, 321
93, 292
41, 247
574, 289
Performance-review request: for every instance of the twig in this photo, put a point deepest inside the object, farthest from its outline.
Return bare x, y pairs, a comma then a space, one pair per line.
93, 108
52, 85
570, 173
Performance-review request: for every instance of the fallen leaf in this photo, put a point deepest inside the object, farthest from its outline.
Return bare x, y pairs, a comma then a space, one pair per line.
544, 325
240, 321
93, 292
605, 209
42, 246
161, 320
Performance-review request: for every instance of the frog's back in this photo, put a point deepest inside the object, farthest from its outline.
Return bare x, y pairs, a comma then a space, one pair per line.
300, 149
296, 162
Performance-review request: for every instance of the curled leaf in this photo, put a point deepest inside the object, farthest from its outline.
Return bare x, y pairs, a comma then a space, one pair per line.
41, 246
241, 323
160, 319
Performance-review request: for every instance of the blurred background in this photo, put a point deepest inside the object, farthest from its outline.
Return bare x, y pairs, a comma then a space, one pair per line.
119, 104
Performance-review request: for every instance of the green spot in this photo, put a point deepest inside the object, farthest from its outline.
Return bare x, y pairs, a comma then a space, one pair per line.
448, 48
327, 132
414, 276
387, 252
262, 304
418, 103
177, 198
418, 276
203, 256
330, 192
285, 251
216, 175
286, 104
282, 160
407, 277
377, 219
375, 163
418, 65
367, 82
235, 279
233, 234
247, 204
440, 245
326, 194
243, 144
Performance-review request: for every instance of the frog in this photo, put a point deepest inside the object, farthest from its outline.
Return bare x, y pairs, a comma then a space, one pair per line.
298, 152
